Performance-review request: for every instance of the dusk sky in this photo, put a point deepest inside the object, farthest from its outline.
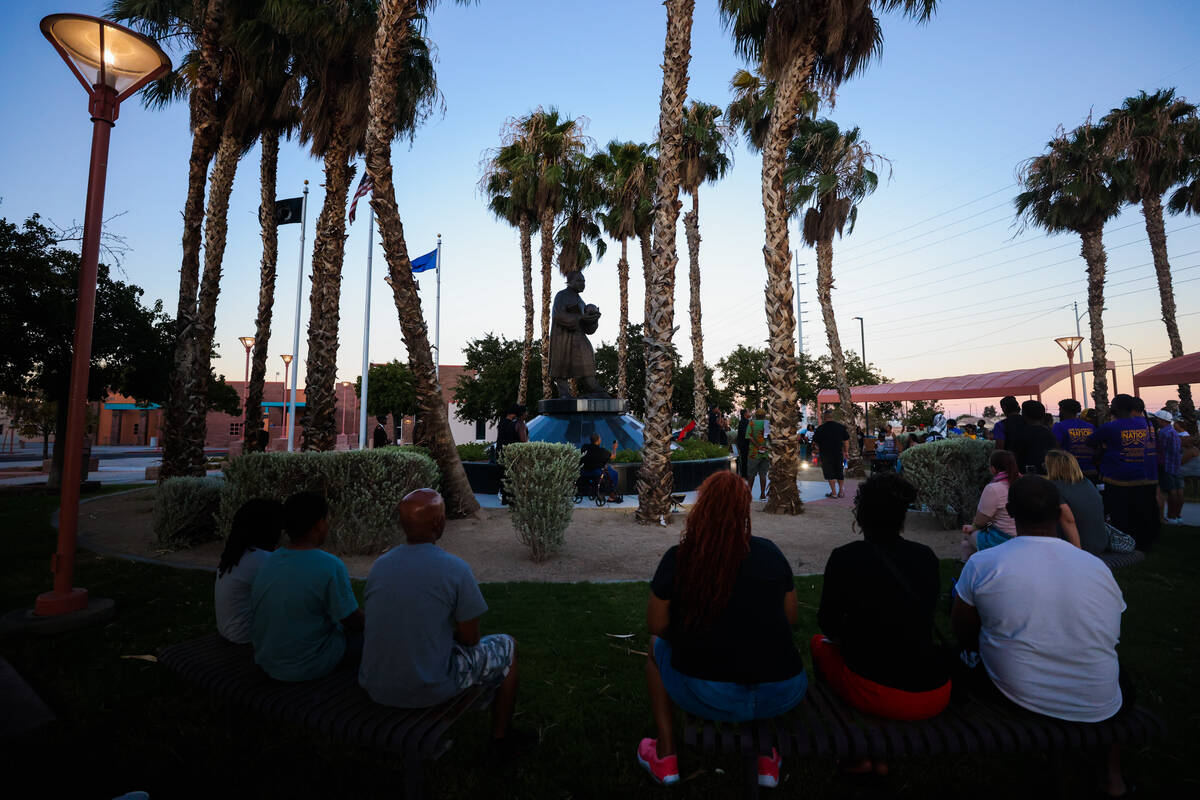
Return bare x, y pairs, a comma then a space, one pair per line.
937, 266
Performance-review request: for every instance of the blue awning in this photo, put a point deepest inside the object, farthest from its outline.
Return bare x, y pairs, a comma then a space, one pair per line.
282, 405
131, 407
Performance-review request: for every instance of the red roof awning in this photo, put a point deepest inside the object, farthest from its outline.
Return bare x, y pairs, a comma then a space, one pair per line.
1185, 369
960, 387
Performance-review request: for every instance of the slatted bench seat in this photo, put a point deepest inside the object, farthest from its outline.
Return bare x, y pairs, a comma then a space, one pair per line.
1116, 561
335, 706
825, 727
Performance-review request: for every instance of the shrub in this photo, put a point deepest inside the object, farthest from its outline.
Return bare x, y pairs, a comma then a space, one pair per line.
628, 456
185, 511
540, 478
361, 486
698, 449
949, 476
473, 451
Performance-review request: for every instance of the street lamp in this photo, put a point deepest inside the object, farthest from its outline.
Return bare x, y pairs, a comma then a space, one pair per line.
112, 62
862, 334
248, 343
1069, 344
345, 386
1130, 351
287, 363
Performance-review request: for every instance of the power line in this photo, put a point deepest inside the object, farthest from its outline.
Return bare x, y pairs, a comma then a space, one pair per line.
855, 256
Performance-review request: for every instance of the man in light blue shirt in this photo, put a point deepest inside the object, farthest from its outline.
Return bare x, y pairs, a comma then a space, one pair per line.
302, 602
422, 645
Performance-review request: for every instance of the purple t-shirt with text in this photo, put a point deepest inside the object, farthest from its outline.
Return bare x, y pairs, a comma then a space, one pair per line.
1127, 443
1072, 436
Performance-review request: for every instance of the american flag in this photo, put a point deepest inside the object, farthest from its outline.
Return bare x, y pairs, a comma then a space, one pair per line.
365, 186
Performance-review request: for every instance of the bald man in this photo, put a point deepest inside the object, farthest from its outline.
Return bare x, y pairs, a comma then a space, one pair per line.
422, 644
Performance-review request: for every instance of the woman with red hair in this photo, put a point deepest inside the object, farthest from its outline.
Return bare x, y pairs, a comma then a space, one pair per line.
722, 606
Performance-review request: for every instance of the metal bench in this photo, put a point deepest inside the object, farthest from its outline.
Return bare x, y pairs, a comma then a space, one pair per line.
824, 726
335, 706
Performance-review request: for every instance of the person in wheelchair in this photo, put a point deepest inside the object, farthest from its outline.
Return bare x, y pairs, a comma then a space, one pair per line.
594, 464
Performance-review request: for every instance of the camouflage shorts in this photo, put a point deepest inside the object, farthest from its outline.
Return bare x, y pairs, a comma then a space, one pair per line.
483, 664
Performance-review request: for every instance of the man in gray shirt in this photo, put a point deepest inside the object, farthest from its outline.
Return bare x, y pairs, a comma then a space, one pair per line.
422, 645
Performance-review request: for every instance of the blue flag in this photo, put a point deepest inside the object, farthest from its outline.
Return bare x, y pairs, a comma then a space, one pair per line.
425, 262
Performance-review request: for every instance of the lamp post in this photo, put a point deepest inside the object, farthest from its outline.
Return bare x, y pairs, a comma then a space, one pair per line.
345, 386
862, 334
287, 363
112, 62
1130, 351
1070, 344
248, 343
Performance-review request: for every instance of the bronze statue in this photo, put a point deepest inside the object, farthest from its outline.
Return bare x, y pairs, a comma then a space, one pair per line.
571, 354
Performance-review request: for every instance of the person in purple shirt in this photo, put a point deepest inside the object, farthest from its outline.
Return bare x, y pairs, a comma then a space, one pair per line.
1130, 482
1170, 457
1072, 434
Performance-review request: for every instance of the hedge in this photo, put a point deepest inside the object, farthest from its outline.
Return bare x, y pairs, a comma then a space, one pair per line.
540, 479
949, 475
361, 486
185, 511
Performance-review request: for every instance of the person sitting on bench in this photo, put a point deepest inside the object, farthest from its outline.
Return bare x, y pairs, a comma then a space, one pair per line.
255, 533
422, 644
721, 611
1044, 617
594, 463
302, 601
878, 602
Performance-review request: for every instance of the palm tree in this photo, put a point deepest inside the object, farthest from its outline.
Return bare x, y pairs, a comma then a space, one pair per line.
627, 171
583, 200
654, 477
1072, 187
799, 44
704, 160
1151, 133
397, 95
829, 172
200, 25
509, 182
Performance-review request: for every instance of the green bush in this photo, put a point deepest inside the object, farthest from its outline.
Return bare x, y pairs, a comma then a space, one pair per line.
698, 450
473, 451
628, 456
185, 511
540, 478
949, 475
361, 486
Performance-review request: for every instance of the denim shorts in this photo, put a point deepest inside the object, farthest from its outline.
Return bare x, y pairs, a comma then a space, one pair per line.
1170, 482
723, 701
990, 537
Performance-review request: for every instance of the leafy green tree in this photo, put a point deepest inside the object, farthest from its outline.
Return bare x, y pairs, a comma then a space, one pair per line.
744, 373
392, 391
683, 393
31, 417
989, 412
921, 412
487, 391
608, 367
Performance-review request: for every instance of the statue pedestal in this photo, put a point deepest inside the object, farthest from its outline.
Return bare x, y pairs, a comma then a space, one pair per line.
573, 420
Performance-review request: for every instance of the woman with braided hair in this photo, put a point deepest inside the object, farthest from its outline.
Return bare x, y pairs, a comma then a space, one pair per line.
721, 611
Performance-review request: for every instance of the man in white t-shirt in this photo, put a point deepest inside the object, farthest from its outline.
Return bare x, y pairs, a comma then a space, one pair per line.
1045, 617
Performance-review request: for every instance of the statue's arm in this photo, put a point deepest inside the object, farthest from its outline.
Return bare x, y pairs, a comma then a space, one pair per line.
566, 319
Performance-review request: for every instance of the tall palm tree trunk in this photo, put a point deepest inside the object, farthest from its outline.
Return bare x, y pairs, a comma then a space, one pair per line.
266, 284
547, 254
320, 368
691, 224
206, 132
1152, 211
836, 357
784, 494
216, 226
623, 330
647, 268
526, 228
395, 17
1097, 263
655, 477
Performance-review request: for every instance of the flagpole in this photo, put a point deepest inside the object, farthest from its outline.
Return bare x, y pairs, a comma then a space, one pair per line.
437, 325
366, 364
296, 331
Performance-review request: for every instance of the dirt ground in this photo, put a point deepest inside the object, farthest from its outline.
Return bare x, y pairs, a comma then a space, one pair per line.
601, 544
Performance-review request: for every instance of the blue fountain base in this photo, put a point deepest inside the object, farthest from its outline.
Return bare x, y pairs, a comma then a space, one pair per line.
573, 421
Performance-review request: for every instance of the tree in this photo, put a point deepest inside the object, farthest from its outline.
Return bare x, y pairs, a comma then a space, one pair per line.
395, 98
1074, 186
627, 172
683, 388
921, 412
798, 44
704, 159
989, 412
828, 173
579, 231
655, 475
817, 374
608, 365
744, 373
485, 391
1153, 134
31, 416
391, 391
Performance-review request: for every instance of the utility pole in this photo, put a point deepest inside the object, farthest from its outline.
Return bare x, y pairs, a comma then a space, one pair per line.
1082, 375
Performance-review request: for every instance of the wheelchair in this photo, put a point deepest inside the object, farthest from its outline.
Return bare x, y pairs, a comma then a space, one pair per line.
597, 488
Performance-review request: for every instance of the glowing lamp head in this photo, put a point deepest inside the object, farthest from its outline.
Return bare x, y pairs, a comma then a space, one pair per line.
103, 53
287, 358
247, 342
1069, 343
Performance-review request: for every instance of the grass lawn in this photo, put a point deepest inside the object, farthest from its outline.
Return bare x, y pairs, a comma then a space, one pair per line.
127, 724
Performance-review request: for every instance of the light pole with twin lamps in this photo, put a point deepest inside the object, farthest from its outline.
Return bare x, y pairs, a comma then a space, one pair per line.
112, 62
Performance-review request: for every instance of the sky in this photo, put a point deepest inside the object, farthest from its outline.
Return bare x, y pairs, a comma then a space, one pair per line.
944, 278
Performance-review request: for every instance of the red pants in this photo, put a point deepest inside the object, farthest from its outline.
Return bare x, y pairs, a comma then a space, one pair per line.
870, 697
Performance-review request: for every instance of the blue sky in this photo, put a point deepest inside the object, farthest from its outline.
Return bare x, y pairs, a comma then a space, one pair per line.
946, 283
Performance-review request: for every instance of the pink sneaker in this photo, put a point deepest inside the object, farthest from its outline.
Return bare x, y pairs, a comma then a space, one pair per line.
768, 769
665, 770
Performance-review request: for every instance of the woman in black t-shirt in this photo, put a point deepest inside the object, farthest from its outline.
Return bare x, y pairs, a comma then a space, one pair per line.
877, 607
721, 610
